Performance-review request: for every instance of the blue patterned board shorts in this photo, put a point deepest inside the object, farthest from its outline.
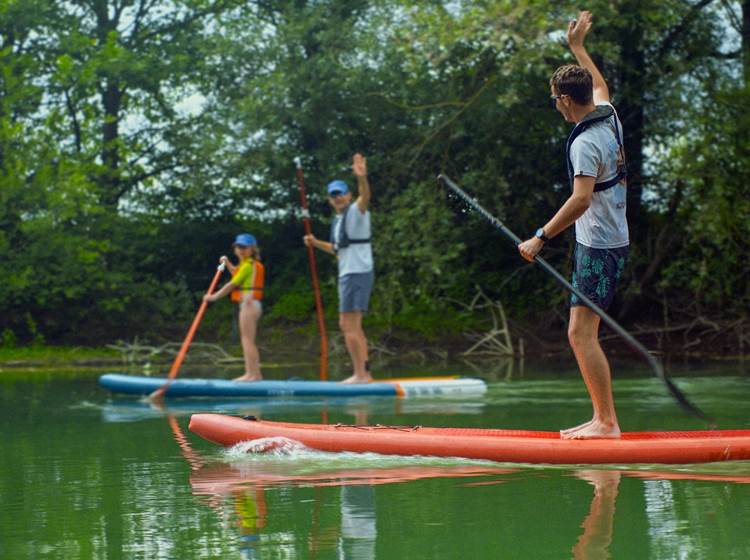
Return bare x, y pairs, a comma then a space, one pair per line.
596, 273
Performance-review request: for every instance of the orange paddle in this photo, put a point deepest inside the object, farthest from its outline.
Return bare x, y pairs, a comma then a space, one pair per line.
188, 339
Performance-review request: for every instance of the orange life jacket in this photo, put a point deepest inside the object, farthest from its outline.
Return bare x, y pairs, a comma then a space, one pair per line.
252, 284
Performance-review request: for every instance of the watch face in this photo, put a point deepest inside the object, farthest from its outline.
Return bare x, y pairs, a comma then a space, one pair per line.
540, 233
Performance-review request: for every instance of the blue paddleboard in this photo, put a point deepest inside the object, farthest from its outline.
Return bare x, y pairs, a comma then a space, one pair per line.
186, 387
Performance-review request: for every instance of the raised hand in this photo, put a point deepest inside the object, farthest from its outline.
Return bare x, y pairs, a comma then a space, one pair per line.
578, 28
359, 165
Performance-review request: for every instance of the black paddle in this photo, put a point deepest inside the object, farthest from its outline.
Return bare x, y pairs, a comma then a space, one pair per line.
610, 322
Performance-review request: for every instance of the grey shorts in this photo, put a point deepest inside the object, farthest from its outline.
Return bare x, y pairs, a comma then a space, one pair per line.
355, 290
596, 273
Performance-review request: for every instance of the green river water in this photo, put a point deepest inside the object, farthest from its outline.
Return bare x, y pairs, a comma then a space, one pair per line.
86, 475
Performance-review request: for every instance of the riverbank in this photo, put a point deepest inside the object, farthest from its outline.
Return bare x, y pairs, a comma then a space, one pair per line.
57, 356
294, 347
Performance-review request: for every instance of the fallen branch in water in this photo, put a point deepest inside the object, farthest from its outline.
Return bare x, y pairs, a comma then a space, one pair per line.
496, 341
136, 353
698, 332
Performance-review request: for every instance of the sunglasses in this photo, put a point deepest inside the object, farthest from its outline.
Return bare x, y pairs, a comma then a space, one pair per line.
553, 99
335, 194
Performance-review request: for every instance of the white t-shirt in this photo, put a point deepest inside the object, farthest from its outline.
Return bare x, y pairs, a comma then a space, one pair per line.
596, 153
357, 257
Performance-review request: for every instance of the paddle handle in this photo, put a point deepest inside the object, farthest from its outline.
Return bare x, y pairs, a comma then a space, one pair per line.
306, 222
190, 335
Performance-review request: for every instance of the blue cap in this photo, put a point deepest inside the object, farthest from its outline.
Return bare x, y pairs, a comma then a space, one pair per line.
338, 186
245, 239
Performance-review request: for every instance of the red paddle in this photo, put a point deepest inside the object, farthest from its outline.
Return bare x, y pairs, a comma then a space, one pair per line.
188, 339
314, 274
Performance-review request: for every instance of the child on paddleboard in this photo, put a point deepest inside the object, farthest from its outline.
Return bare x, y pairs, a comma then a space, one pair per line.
246, 289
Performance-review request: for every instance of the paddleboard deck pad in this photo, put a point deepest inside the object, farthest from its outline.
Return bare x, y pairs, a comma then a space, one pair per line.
187, 387
507, 446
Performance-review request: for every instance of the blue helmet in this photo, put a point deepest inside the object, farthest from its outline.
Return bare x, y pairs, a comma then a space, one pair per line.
337, 186
245, 240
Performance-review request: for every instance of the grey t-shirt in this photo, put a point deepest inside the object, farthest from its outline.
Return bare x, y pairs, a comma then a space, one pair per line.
357, 257
596, 153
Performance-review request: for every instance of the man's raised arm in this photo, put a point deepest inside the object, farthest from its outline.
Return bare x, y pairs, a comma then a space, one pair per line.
577, 30
359, 168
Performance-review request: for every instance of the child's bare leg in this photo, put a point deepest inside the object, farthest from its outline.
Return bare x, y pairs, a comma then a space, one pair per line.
250, 313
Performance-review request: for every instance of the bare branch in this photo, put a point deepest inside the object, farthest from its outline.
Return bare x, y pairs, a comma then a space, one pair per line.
734, 19
452, 118
679, 29
439, 105
728, 55
185, 22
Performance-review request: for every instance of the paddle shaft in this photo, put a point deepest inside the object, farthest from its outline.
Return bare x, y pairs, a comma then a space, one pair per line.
313, 273
609, 321
189, 338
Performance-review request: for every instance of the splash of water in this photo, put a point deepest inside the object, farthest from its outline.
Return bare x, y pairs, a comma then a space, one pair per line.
276, 446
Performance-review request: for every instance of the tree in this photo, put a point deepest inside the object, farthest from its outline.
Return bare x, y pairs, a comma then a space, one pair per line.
121, 69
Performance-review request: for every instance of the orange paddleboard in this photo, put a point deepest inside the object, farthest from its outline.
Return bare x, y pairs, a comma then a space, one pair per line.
507, 446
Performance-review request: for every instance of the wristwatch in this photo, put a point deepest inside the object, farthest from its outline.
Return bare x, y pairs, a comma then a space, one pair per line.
540, 234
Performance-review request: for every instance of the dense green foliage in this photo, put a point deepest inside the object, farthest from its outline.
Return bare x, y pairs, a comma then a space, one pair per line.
136, 138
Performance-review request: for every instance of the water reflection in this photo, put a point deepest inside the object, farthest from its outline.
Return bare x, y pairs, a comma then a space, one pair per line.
134, 410
597, 526
358, 525
355, 535
220, 479
720, 473
503, 368
355, 538
245, 483
250, 508
664, 523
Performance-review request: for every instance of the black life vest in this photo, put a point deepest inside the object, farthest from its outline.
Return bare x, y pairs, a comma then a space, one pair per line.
344, 239
601, 113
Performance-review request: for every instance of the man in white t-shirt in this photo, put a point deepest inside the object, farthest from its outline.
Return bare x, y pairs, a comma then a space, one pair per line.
350, 242
596, 168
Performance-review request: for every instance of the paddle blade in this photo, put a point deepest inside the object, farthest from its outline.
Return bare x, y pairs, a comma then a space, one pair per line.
685, 403
159, 393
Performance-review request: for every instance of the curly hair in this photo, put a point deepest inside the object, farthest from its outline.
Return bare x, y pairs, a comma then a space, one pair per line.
575, 82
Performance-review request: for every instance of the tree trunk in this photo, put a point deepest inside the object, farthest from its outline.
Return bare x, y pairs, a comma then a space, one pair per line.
746, 40
111, 101
111, 95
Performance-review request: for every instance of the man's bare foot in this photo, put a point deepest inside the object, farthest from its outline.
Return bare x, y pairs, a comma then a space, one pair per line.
249, 377
595, 430
574, 429
363, 378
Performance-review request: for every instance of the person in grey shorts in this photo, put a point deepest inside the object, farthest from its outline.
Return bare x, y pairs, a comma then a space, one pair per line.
350, 242
596, 168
